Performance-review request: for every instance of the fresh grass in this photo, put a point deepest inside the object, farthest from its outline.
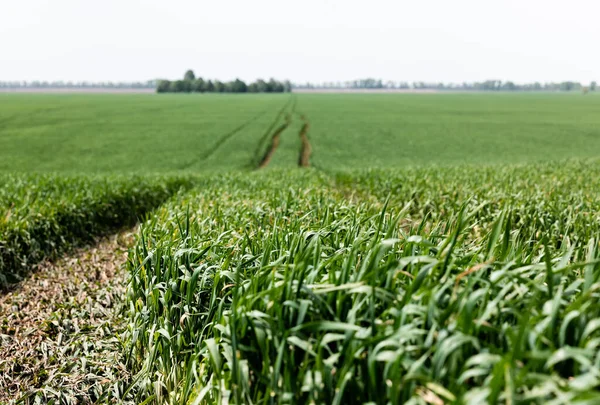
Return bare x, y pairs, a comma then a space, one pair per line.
132, 133
444, 249
216, 132
288, 152
43, 214
398, 130
474, 286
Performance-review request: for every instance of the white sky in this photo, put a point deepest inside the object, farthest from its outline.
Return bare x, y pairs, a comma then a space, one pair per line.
303, 40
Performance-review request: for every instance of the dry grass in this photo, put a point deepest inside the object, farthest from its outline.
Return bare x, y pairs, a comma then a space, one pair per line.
59, 328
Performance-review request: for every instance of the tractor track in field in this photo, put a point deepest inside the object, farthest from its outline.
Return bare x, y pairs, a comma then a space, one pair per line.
59, 336
222, 139
259, 155
275, 139
305, 148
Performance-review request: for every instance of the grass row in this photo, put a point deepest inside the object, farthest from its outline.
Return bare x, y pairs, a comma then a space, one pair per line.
473, 285
43, 214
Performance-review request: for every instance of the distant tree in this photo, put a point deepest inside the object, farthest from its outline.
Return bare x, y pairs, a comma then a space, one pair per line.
271, 84
219, 87
238, 86
228, 87
199, 85
177, 86
509, 86
163, 86
593, 86
489, 85
262, 86
274, 86
189, 76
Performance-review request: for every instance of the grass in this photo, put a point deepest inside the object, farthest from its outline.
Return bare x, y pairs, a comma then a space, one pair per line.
132, 133
442, 249
41, 215
219, 132
287, 288
391, 130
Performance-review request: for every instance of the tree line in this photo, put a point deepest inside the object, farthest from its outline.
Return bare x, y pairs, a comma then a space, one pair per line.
38, 84
193, 84
488, 85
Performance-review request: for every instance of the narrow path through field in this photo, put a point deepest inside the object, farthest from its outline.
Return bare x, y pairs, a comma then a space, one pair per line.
266, 159
222, 139
60, 327
259, 155
305, 149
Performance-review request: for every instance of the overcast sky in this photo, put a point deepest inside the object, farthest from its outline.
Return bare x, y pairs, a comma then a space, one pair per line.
303, 40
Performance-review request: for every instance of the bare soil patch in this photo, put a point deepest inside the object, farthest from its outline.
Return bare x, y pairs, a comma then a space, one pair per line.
59, 329
305, 149
274, 143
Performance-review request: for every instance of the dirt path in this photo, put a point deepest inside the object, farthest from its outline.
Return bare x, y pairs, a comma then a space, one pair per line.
305, 149
222, 139
259, 155
266, 159
59, 329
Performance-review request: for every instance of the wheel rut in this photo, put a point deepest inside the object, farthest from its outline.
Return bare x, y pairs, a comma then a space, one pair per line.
276, 138
305, 148
259, 155
305, 151
222, 139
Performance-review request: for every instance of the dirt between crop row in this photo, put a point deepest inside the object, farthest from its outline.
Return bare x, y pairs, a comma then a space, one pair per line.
266, 159
59, 328
306, 148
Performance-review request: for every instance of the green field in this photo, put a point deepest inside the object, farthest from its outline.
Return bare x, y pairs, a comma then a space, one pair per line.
167, 133
441, 248
132, 133
392, 130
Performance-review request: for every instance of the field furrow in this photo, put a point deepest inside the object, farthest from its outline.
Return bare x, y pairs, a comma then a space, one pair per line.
275, 139
205, 155
306, 148
60, 329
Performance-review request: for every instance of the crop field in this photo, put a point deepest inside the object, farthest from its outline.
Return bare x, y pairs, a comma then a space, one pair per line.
303, 249
216, 132
391, 130
132, 133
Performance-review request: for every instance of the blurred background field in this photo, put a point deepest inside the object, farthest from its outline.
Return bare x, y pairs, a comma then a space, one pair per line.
197, 133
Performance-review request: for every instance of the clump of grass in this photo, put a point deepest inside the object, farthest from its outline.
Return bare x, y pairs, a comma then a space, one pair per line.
42, 214
282, 288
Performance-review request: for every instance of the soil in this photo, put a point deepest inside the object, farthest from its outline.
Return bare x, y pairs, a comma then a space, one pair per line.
306, 149
59, 328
